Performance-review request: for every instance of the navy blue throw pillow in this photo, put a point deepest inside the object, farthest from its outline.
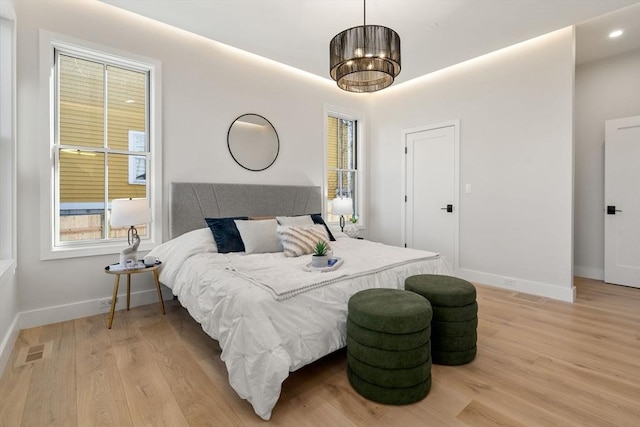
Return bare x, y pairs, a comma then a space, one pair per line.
226, 234
317, 219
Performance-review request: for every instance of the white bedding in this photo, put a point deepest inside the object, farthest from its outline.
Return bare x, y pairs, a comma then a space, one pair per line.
263, 338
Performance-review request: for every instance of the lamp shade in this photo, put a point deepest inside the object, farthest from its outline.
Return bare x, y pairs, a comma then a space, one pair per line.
342, 206
129, 212
365, 58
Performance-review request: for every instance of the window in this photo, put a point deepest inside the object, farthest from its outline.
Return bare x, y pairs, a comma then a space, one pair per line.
104, 147
7, 141
343, 163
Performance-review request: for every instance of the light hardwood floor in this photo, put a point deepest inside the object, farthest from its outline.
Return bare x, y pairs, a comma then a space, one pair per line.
540, 362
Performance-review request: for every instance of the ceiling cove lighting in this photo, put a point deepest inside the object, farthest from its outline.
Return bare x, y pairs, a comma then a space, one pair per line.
616, 33
365, 58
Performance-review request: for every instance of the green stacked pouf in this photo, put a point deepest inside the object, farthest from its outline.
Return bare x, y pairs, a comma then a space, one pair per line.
388, 332
455, 316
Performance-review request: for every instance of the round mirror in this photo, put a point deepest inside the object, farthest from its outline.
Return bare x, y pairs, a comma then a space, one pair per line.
253, 142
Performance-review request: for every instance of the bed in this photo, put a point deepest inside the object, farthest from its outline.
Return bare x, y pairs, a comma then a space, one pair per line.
269, 314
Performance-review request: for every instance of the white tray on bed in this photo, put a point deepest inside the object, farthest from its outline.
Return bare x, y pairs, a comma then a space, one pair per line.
337, 264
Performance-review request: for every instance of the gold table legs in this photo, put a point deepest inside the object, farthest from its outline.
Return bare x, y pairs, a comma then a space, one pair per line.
115, 293
155, 275
113, 300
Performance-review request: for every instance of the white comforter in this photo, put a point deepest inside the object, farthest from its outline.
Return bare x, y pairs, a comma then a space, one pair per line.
263, 338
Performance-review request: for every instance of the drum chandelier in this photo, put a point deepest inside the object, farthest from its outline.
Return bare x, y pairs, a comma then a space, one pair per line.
365, 58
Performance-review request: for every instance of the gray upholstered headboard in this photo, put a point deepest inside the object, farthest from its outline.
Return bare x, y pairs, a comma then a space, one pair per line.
192, 202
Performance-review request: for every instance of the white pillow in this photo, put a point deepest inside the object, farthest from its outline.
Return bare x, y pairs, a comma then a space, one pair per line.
173, 253
298, 241
259, 236
301, 220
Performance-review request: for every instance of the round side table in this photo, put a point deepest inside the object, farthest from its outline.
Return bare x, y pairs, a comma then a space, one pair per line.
153, 269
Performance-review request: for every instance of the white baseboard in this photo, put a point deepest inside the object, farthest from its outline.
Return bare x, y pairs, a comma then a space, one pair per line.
588, 272
76, 310
7, 344
519, 285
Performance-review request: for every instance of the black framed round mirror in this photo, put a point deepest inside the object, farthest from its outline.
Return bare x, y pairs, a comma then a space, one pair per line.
253, 142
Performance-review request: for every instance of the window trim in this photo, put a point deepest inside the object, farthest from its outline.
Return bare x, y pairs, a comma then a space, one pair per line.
8, 148
343, 113
49, 42
133, 180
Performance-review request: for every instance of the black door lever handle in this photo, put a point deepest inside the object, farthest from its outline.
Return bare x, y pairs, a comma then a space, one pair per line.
611, 210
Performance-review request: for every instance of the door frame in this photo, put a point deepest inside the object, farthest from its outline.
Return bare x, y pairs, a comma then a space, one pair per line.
455, 123
612, 271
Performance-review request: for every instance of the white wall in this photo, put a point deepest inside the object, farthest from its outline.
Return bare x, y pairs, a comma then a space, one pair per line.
605, 89
515, 111
206, 85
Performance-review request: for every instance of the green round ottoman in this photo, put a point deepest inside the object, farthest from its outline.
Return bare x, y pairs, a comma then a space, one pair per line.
389, 377
388, 343
442, 291
455, 316
389, 395
389, 310
454, 358
454, 329
388, 359
443, 344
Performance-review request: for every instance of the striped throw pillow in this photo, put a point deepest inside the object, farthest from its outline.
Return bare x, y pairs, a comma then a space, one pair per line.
301, 240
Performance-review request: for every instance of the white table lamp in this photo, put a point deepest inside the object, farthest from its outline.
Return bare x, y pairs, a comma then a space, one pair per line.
130, 212
342, 206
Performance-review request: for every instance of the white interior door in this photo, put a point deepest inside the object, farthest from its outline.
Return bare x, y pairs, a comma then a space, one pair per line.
431, 211
622, 201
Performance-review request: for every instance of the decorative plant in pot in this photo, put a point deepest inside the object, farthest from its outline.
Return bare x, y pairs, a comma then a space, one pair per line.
351, 229
320, 257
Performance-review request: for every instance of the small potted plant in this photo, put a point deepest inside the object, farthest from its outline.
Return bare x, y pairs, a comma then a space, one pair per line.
351, 229
320, 258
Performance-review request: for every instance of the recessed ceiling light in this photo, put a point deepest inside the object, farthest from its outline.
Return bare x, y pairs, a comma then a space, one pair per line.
616, 33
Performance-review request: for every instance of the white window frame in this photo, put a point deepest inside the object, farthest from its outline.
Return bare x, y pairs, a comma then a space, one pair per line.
49, 42
8, 167
360, 199
137, 142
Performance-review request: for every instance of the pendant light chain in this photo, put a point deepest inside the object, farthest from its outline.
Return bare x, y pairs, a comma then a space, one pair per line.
364, 19
364, 27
